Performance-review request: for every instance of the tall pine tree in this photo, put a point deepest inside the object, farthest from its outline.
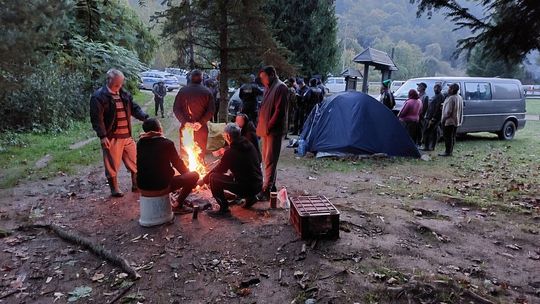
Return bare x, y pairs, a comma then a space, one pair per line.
231, 33
308, 29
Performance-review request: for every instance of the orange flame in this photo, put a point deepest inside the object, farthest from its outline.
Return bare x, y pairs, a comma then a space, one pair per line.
192, 151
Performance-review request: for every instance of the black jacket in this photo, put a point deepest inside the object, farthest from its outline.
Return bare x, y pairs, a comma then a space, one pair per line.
313, 96
156, 157
388, 99
248, 94
249, 133
434, 111
103, 111
425, 105
243, 162
194, 103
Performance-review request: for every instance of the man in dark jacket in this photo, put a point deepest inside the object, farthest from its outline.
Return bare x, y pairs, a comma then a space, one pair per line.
300, 108
433, 119
422, 123
248, 94
242, 161
194, 107
160, 91
156, 158
313, 96
271, 126
387, 97
111, 108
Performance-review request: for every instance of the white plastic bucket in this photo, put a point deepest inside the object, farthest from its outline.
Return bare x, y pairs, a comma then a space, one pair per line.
155, 210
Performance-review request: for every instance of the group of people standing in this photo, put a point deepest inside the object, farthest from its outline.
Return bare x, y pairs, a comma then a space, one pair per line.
151, 160
422, 116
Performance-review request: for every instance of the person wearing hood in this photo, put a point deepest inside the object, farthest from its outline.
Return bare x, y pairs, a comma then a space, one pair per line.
157, 158
245, 180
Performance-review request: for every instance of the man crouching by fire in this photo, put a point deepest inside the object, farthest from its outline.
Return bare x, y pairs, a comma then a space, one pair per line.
156, 157
242, 160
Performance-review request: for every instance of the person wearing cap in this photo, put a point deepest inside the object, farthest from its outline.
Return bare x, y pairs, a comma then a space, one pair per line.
387, 98
271, 126
160, 91
245, 180
422, 96
248, 94
194, 107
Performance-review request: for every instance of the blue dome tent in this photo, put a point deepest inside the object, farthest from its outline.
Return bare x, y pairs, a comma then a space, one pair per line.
355, 123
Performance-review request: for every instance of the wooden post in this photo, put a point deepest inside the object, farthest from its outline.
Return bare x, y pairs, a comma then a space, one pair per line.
365, 80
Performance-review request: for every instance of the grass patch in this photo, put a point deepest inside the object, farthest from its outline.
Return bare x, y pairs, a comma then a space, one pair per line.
533, 106
484, 172
19, 152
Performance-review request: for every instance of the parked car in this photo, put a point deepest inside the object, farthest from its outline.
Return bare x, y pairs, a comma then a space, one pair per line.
180, 74
151, 78
494, 105
335, 84
396, 84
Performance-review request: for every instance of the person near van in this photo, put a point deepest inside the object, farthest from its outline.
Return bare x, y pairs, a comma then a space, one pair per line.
321, 86
194, 107
157, 173
387, 97
409, 116
160, 91
452, 118
248, 94
421, 88
433, 119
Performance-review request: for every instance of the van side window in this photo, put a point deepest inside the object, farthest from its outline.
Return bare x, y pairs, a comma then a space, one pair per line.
506, 91
477, 91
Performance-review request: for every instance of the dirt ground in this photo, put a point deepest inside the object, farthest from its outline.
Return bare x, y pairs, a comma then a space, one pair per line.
391, 249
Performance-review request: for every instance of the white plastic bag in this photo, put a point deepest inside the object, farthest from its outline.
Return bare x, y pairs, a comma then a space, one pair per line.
283, 198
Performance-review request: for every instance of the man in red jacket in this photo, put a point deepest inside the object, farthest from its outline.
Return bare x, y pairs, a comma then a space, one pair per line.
271, 126
194, 107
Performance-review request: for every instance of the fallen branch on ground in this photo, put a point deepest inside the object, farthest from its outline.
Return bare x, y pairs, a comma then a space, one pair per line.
121, 294
96, 249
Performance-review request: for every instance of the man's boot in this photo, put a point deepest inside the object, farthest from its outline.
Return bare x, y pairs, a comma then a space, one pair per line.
113, 184
134, 186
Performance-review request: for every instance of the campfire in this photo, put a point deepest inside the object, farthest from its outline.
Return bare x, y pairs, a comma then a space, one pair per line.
192, 152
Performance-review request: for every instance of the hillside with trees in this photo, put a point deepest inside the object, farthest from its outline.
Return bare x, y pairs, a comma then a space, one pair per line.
423, 46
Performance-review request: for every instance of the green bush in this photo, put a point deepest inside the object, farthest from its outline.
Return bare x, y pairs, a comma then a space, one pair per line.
49, 99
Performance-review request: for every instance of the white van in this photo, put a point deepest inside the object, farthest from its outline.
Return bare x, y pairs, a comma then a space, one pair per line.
335, 84
494, 105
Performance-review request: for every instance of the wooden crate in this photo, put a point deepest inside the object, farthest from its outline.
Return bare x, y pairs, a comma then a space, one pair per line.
314, 217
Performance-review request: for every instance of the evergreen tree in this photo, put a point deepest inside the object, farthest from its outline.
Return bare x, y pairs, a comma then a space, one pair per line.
308, 29
482, 64
509, 31
232, 34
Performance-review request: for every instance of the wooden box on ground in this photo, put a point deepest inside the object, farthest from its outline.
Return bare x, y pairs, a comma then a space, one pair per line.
314, 217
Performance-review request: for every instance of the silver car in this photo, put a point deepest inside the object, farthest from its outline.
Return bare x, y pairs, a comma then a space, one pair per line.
494, 105
150, 78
